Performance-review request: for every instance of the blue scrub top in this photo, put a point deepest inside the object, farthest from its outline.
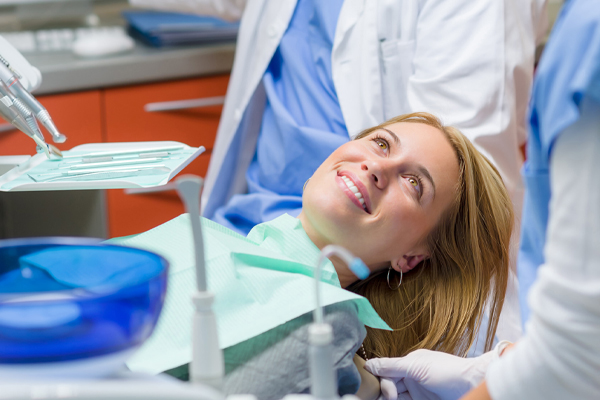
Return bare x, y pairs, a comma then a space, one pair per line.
568, 71
302, 122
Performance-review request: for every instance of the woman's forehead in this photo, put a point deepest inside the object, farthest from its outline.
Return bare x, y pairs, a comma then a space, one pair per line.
414, 130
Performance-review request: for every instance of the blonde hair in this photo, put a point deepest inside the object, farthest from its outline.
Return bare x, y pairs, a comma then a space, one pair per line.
441, 302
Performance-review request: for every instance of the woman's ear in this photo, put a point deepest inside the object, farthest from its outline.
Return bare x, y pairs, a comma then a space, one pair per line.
406, 263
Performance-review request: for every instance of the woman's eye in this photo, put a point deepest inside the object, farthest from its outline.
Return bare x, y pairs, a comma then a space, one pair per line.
415, 183
383, 145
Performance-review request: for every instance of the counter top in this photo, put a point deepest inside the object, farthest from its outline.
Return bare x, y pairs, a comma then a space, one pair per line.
65, 72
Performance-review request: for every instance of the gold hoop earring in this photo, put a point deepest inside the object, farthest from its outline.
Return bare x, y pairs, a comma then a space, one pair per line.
304, 187
388, 280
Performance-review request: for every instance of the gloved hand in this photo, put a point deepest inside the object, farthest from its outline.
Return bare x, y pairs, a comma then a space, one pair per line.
405, 389
426, 374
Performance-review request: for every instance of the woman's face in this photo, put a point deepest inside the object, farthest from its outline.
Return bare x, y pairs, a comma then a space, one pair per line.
380, 196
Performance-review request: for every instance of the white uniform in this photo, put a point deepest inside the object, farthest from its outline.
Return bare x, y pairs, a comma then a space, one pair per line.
468, 62
559, 358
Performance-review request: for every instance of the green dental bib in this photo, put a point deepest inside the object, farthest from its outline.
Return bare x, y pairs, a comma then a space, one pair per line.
260, 282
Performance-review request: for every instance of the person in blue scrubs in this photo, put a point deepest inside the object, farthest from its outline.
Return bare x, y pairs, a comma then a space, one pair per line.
559, 260
302, 123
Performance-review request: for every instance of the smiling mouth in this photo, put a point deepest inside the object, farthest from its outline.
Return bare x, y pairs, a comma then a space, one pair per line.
356, 192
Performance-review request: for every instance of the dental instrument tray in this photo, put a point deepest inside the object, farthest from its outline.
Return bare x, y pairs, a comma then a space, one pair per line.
102, 166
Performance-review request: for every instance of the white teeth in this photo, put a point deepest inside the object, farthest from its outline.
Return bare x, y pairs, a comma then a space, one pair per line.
354, 189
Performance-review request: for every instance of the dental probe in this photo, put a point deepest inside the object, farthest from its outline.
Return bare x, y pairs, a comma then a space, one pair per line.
116, 163
122, 173
68, 172
124, 152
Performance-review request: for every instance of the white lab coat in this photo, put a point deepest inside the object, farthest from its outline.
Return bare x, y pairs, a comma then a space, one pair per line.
468, 62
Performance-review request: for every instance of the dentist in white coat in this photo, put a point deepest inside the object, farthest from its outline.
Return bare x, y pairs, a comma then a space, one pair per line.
468, 62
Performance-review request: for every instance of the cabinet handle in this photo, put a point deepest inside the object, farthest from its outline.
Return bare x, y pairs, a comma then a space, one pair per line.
6, 127
184, 104
155, 189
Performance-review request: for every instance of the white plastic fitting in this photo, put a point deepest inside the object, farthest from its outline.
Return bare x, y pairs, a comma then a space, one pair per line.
207, 366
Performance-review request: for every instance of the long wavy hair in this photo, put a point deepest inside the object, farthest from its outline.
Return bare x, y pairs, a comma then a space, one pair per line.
441, 302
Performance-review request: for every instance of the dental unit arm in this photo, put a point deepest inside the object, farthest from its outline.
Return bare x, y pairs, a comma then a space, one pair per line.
323, 382
17, 106
207, 366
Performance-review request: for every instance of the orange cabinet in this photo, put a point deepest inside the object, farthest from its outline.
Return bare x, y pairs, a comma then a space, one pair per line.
77, 115
125, 120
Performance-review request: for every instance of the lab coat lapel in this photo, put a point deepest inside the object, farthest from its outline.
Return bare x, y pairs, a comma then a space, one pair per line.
349, 15
355, 65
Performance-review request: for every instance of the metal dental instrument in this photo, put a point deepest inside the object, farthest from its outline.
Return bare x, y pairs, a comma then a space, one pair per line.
16, 77
62, 172
99, 174
100, 159
130, 162
96, 159
36, 107
9, 98
9, 112
51, 151
125, 152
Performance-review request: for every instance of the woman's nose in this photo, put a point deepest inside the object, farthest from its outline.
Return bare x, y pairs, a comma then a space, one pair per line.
376, 172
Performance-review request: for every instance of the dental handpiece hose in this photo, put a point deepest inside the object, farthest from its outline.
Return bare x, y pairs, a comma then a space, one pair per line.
10, 114
189, 188
30, 102
320, 334
39, 111
30, 128
207, 366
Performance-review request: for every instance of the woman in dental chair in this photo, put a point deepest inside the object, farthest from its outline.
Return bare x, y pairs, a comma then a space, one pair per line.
430, 217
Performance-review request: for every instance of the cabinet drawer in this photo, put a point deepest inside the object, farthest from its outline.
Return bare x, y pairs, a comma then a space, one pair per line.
77, 115
127, 121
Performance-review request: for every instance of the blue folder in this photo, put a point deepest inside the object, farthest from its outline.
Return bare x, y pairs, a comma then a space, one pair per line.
170, 29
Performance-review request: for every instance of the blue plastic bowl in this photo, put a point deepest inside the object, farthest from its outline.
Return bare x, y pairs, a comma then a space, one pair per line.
64, 299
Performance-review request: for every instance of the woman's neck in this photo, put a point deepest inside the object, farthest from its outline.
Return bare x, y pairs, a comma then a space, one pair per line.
345, 276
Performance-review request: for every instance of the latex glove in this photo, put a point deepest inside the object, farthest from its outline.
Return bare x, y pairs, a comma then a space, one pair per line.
437, 375
405, 389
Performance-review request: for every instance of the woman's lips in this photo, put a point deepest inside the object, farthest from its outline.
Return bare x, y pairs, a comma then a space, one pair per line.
358, 185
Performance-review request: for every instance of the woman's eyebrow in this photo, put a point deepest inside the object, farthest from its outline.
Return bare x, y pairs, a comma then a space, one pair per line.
423, 171
393, 135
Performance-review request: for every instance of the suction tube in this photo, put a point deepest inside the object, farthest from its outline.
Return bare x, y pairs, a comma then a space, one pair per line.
320, 334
